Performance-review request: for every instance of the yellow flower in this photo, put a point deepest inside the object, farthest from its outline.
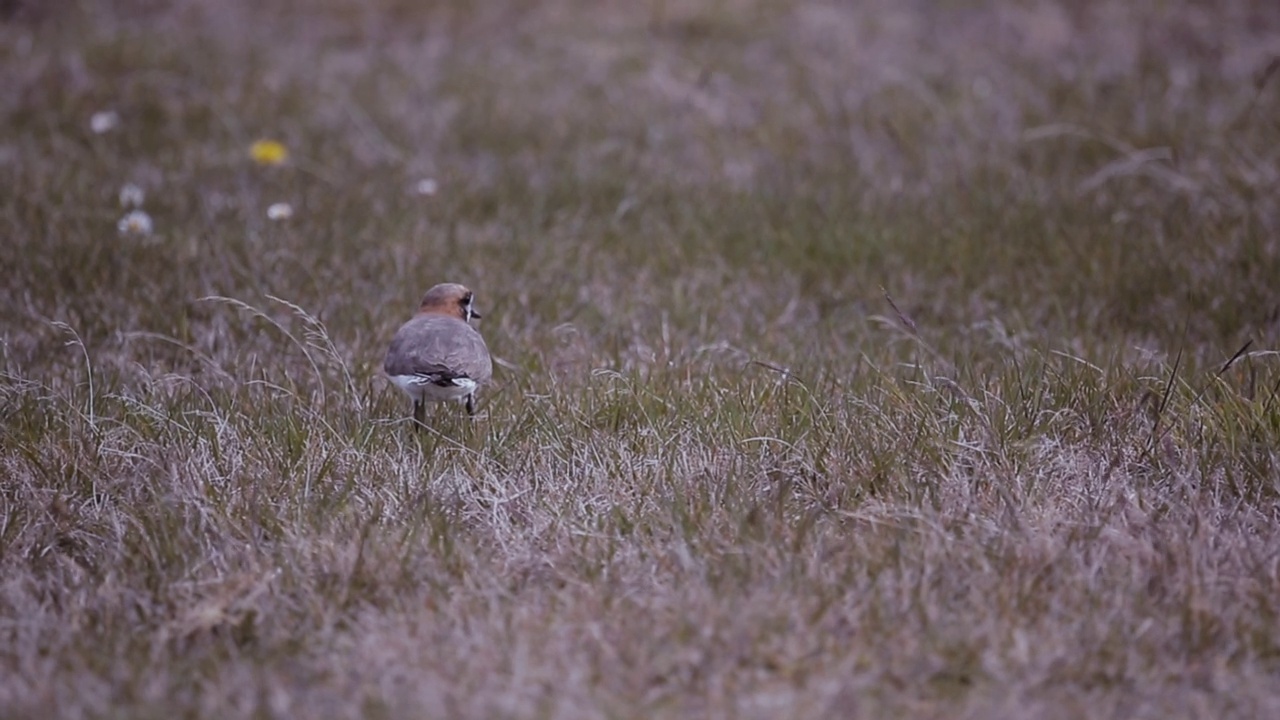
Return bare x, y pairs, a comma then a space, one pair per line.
268, 152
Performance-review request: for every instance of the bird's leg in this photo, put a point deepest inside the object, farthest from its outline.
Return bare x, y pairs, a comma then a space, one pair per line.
471, 404
419, 415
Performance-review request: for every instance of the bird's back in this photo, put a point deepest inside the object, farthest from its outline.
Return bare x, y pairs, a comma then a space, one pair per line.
431, 343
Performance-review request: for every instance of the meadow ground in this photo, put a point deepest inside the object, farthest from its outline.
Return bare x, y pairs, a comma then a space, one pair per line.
720, 473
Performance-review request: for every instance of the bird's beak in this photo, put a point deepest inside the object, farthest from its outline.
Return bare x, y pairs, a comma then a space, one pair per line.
475, 314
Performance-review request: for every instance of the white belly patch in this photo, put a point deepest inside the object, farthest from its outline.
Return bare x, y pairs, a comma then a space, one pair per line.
420, 388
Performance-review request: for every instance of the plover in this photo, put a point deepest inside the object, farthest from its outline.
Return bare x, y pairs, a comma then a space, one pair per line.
437, 355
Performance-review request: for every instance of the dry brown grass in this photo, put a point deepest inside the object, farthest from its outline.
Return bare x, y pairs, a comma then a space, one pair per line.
720, 474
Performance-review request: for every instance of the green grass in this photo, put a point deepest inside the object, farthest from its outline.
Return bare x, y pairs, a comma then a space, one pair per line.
855, 361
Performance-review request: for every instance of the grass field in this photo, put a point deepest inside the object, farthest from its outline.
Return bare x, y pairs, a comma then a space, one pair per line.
856, 360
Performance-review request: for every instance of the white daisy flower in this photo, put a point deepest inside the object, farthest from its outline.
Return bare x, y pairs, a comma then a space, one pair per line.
104, 121
132, 196
136, 223
427, 187
280, 211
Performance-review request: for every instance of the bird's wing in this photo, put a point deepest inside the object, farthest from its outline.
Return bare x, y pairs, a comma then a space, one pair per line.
439, 349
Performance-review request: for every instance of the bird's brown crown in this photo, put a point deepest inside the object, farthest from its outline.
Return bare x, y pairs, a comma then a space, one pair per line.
449, 299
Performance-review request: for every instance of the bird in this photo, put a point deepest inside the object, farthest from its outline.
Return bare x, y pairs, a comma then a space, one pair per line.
437, 355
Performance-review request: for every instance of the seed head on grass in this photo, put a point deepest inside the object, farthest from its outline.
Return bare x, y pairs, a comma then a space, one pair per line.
104, 121
135, 223
280, 211
132, 196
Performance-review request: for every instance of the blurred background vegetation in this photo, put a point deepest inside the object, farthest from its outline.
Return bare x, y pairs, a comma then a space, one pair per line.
1098, 171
